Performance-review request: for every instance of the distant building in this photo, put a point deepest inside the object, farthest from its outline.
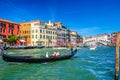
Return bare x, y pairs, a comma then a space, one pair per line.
73, 37
8, 28
79, 40
105, 38
113, 37
62, 33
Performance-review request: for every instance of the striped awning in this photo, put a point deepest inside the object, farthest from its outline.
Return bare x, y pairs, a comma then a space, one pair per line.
22, 41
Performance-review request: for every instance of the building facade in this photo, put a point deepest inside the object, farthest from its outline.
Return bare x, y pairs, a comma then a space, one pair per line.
73, 37
79, 40
8, 28
62, 34
114, 37
104, 38
40, 34
25, 33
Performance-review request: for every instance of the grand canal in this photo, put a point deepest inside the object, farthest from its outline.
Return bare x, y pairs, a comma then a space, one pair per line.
87, 64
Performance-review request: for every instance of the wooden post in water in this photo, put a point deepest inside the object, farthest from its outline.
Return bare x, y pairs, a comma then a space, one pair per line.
117, 56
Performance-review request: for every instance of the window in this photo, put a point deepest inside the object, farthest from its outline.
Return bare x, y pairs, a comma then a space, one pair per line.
36, 31
40, 36
28, 24
4, 30
40, 31
36, 36
0, 29
46, 31
32, 36
51, 37
36, 24
24, 24
4, 25
44, 36
18, 27
12, 31
47, 37
12, 26
32, 31
43, 31
9, 30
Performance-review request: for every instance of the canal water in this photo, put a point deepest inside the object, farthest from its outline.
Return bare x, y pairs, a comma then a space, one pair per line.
87, 64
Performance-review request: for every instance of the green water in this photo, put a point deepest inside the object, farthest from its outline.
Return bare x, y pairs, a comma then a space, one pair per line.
87, 64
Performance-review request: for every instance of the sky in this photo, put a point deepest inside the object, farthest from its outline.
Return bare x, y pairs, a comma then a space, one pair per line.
87, 17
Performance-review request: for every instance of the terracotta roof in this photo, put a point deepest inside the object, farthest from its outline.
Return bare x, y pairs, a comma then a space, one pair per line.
57, 22
7, 21
32, 21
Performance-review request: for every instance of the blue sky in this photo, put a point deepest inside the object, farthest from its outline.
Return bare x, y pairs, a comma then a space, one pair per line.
87, 17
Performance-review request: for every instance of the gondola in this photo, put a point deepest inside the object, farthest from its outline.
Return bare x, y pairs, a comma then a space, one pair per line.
29, 59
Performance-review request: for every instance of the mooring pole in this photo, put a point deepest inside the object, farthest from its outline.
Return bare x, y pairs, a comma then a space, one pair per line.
117, 56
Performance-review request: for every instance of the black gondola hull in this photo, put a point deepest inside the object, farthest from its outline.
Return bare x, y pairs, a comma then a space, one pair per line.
35, 60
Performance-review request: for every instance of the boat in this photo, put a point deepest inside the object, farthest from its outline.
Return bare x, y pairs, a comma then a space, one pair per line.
40, 47
30, 59
23, 47
60, 48
93, 47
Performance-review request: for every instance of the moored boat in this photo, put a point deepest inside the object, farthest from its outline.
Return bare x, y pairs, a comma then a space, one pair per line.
93, 47
60, 48
40, 47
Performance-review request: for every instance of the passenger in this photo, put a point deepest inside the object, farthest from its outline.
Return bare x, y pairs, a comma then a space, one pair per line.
57, 54
53, 55
47, 55
64, 52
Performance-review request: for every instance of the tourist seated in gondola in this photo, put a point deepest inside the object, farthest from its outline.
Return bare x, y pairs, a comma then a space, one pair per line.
53, 55
57, 53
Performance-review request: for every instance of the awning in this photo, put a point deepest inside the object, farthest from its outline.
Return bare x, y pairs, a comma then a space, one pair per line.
22, 41
1, 40
60, 42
